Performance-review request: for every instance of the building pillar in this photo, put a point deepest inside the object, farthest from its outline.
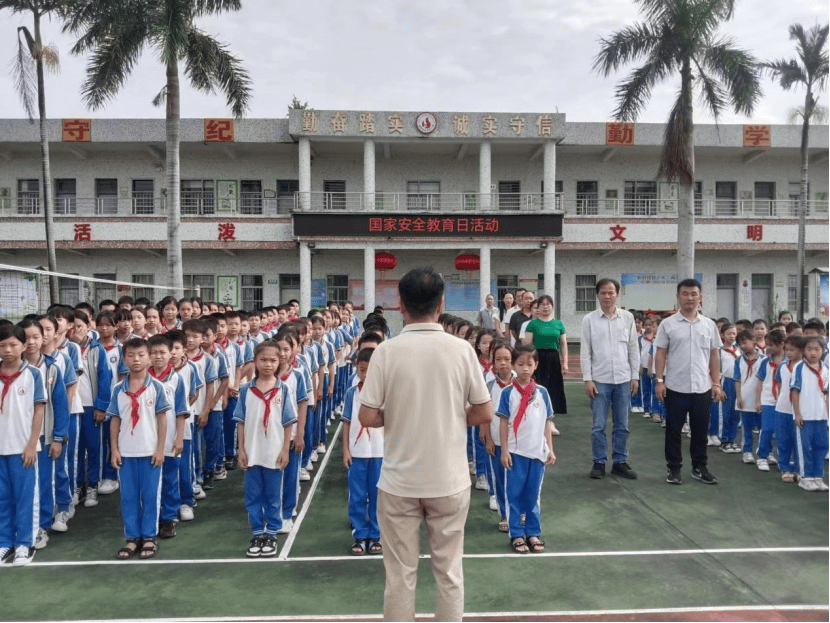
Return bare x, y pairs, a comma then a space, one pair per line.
305, 174
484, 175
368, 202
549, 270
549, 175
484, 275
368, 279
305, 278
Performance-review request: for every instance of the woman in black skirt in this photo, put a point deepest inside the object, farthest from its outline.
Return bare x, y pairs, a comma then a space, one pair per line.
547, 334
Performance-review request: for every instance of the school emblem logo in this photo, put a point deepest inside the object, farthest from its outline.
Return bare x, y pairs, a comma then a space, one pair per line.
426, 123
22, 391
113, 359
150, 402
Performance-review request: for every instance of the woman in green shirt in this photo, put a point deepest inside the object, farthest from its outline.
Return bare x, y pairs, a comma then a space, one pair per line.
547, 335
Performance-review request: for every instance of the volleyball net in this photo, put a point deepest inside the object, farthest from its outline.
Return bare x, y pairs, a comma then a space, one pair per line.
25, 290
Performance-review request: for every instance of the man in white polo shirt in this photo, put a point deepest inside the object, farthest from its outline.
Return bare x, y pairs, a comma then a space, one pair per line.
687, 346
425, 388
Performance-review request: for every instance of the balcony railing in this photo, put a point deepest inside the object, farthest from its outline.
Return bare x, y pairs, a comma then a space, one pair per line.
192, 204
708, 208
420, 202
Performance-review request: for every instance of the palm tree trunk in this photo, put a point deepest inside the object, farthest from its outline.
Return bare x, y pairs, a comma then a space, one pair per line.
801, 305
46, 175
685, 196
174, 239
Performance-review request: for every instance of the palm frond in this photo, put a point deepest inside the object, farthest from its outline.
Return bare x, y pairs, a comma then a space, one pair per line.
626, 45
738, 71
787, 71
712, 94
161, 97
110, 64
25, 74
50, 57
202, 8
169, 31
210, 66
633, 94
818, 115
17, 6
676, 160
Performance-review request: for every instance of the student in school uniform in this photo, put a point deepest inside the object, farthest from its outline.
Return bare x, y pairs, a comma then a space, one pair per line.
55, 422
809, 384
162, 369
264, 413
212, 418
94, 388
308, 359
227, 340
105, 322
326, 357
726, 417
746, 385
138, 429
767, 396
363, 458
646, 340
785, 426
169, 308
22, 404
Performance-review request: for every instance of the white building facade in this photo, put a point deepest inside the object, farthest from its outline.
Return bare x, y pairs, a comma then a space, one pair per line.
274, 209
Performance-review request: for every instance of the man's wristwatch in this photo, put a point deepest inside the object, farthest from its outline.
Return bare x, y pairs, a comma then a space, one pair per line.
659, 380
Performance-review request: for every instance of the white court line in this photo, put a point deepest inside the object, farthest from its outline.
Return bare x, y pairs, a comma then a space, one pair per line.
659, 552
481, 615
289, 542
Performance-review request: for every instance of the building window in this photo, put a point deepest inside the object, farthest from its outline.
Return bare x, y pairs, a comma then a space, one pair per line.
762, 304
65, 196
148, 293
335, 194
509, 197
206, 284
289, 287
28, 196
423, 195
250, 196
698, 198
792, 295
197, 197
103, 291
640, 198
586, 300
285, 195
764, 203
143, 196
68, 291
251, 292
587, 194
337, 288
726, 198
106, 195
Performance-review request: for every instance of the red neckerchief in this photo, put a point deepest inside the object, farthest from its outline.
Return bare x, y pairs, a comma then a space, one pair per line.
294, 362
750, 363
487, 365
199, 356
362, 428
135, 407
224, 343
241, 341
164, 373
774, 367
284, 377
109, 348
8, 379
732, 351
818, 375
648, 339
503, 384
86, 347
267, 397
526, 393
184, 363
145, 335
212, 351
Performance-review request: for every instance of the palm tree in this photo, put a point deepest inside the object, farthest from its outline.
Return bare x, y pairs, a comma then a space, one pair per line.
680, 36
809, 70
30, 62
116, 32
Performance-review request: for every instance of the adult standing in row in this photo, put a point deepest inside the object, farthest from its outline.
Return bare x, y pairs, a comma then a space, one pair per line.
488, 317
610, 358
547, 334
521, 316
687, 346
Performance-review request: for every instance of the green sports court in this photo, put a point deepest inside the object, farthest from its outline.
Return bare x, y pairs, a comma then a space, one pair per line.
750, 548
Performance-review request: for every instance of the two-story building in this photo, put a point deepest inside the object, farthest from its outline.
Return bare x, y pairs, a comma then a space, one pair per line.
337, 205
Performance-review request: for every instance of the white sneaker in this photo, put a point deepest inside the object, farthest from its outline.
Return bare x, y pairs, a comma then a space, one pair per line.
42, 539
6, 553
91, 498
808, 484
186, 513
71, 512
762, 464
220, 474
23, 555
713, 441
646, 414
309, 467
304, 475
61, 521
294, 514
748, 458
636, 409
771, 459
314, 456
107, 486
554, 431
734, 448
686, 430
199, 493
321, 449
76, 497
287, 524
822, 486
481, 483
494, 505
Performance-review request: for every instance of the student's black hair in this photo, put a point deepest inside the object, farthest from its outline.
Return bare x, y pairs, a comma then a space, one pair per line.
365, 355
263, 345
813, 325
421, 290
482, 333
210, 304
134, 343
126, 300
689, 283
725, 327
648, 319
217, 316
443, 318
29, 323
792, 326
367, 338
143, 300
5, 321
280, 308
745, 335
524, 349
106, 303
497, 344
758, 321
105, 317
776, 325
292, 301
776, 337
211, 323
809, 339
197, 300
123, 314
378, 310
243, 315
50, 319
160, 339
743, 322
456, 328
89, 309
230, 314
722, 319
606, 281
318, 319
286, 334
176, 336
81, 315
59, 311
167, 300
12, 330
31, 317
785, 312
472, 334
549, 298
184, 300
195, 325
795, 340
140, 309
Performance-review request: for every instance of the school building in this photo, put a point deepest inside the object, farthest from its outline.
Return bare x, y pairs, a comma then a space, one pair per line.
337, 205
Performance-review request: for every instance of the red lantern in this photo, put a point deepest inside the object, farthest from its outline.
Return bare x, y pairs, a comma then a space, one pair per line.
467, 262
385, 261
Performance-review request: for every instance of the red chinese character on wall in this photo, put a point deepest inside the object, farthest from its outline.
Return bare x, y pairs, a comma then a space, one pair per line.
756, 136
433, 224
463, 224
77, 130
755, 232
477, 225
448, 224
617, 231
491, 225
404, 224
390, 224
227, 231
619, 133
220, 130
419, 225
375, 224
83, 232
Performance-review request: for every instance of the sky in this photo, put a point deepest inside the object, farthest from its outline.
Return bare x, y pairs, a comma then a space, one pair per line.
453, 55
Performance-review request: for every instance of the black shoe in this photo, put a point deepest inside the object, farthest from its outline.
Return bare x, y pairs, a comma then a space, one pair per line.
674, 477
703, 475
269, 547
598, 471
207, 483
231, 463
167, 529
255, 548
624, 470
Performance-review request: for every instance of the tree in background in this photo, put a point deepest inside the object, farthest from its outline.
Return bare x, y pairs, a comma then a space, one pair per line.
116, 32
680, 37
810, 71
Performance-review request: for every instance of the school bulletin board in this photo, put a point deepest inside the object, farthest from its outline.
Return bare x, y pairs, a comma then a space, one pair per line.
318, 292
650, 290
462, 295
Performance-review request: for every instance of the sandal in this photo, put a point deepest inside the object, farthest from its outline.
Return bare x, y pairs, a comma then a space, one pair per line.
358, 548
375, 547
503, 525
149, 549
519, 545
128, 552
537, 545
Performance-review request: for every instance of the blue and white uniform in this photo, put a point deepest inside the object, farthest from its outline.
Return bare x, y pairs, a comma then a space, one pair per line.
746, 373
812, 438
725, 413
297, 386
187, 465
766, 376
177, 393
67, 476
496, 473
214, 430
236, 359
785, 425
206, 370
94, 388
